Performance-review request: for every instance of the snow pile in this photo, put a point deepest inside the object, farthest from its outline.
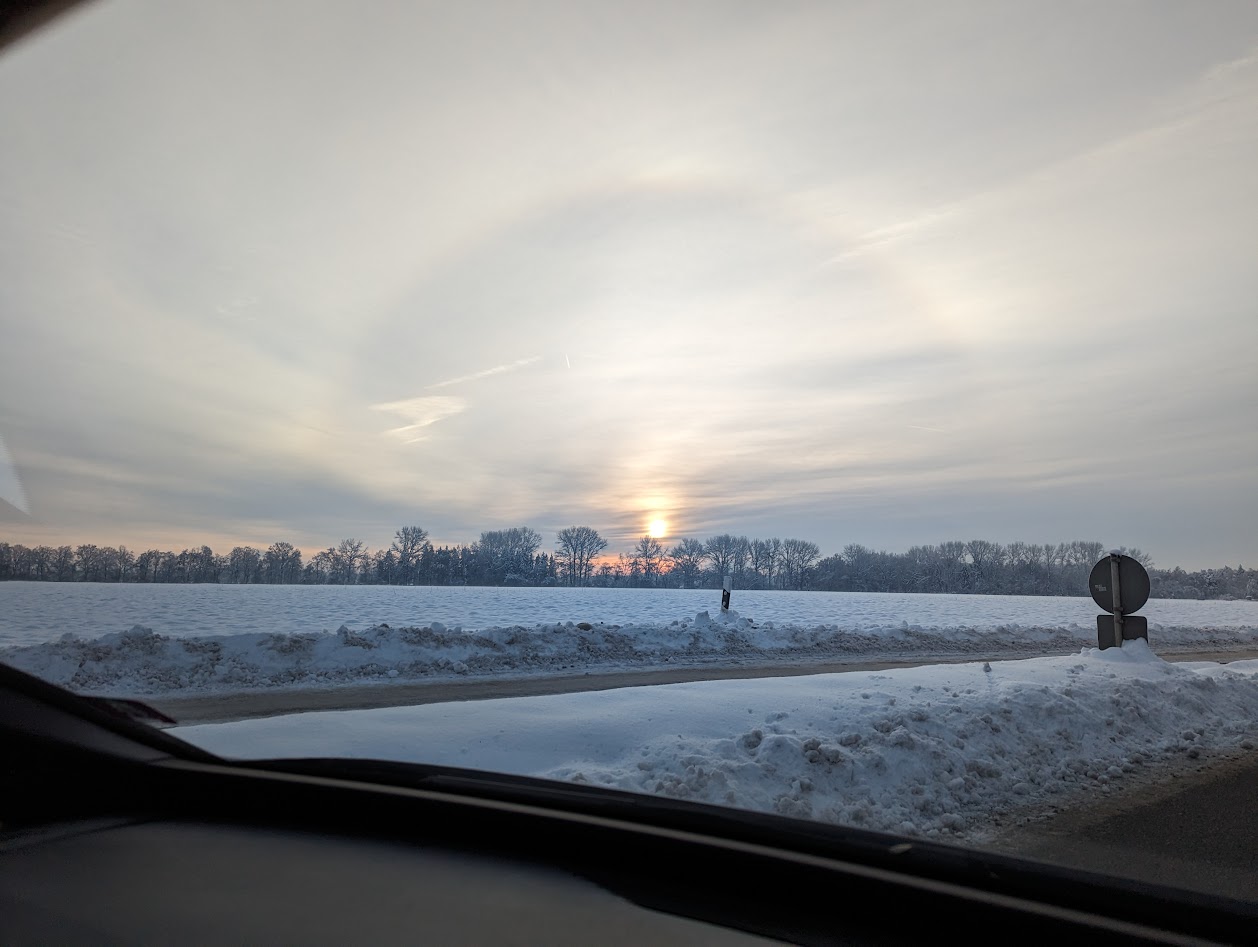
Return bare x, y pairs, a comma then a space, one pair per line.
939, 751
142, 662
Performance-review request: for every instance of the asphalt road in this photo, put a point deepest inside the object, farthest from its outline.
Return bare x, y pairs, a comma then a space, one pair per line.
268, 703
1196, 829
219, 708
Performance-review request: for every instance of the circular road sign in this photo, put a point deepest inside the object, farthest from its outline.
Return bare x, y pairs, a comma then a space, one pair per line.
1133, 582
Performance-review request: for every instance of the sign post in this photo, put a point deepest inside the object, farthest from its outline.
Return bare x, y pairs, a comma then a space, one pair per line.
1119, 585
1116, 582
726, 584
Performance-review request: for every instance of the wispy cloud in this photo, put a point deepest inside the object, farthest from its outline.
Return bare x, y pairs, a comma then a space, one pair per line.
885, 237
10, 486
496, 370
422, 413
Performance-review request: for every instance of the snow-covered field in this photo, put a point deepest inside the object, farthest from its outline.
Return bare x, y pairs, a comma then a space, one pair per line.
220, 639
937, 751
34, 612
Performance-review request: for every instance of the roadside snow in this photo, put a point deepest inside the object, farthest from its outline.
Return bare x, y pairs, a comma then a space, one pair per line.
141, 662
937, 751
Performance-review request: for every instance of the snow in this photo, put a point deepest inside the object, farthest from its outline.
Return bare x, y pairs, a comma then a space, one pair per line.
150, 640
36, 612
936, 751
140, 662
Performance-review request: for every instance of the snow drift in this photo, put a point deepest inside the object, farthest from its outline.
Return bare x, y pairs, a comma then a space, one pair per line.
142, 662
940, 751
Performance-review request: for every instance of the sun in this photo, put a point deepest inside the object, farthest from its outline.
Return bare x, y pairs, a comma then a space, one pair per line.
657, 529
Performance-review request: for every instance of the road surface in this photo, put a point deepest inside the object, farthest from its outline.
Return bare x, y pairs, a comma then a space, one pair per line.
219, 708
1196, 828
268, 703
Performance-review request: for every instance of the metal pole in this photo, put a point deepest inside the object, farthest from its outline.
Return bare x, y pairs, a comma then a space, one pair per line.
1116, 591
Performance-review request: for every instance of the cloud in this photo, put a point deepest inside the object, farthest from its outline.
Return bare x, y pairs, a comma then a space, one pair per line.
997, 225
421, 413
496, 370
883, 238
10, 486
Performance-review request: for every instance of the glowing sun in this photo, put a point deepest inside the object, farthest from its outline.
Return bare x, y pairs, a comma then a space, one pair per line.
657, 529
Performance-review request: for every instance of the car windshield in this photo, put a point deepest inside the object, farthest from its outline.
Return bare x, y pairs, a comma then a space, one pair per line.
783, 407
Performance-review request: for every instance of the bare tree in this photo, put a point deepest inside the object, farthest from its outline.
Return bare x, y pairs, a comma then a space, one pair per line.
738, 562
576, 549
505, 552
244, 565
346, 558
985, 556
91, 563
124, 563
687, 558
648, 554
63, 563
408, 545
320, 567
281, 565
762, 560
41, 563
798, 556
722, 551
1139, 555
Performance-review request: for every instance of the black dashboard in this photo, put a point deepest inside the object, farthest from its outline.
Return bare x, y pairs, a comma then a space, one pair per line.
180, 882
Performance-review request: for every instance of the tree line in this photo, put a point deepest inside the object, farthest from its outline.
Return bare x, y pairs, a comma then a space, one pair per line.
516, 557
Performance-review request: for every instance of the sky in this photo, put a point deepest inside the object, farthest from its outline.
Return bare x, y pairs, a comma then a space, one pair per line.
878, 273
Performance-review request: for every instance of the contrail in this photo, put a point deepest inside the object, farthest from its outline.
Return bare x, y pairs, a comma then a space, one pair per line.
10, 486
422, 413
496, 370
